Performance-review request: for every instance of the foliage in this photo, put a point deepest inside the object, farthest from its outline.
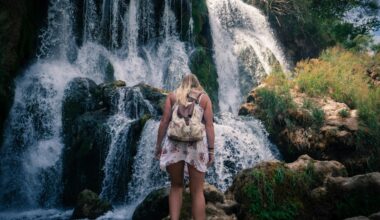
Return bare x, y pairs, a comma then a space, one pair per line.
270, 197
308, 26
338, 73
318, 116
341, 75
275, 104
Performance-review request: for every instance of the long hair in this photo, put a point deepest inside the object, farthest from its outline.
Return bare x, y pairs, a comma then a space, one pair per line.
189, 81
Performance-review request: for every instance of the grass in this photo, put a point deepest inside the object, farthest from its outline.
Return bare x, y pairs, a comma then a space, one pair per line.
344, 113
337, 73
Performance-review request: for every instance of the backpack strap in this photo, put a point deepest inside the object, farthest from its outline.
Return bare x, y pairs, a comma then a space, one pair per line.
199, 98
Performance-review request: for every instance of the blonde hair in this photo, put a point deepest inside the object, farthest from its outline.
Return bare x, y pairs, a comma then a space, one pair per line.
189, 81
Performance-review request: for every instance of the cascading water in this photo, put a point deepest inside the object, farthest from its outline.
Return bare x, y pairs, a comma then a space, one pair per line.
128, 40
244, 47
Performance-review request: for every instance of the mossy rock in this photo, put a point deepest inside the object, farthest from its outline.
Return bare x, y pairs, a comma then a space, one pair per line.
276, 190
89, 205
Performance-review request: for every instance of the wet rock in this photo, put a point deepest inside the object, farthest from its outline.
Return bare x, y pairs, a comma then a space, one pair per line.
79, 97
154, 95
375, 216
357, 218
89, 205
154, 206
87, 108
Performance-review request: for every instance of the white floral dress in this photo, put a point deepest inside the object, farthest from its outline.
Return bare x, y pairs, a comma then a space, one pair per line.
193, 153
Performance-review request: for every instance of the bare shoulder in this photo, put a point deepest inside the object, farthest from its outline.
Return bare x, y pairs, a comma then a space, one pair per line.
171, 96
205, 100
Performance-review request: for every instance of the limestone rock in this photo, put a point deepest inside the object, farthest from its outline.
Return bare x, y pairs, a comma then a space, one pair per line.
322, 169
320, 127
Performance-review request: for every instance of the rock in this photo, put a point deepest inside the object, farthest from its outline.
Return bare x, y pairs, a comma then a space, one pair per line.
341, 194
247, 109
322, 169
155, 205
87, 108
79, 97
156, 96
369, 182
273, 187
375, 216
212, 194
357, 218
89, 205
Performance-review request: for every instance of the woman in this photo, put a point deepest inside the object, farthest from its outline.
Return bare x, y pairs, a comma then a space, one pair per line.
189, 158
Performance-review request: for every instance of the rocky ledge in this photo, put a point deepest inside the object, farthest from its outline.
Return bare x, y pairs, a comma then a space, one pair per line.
320, 127
303, 189
155, 206
87, 109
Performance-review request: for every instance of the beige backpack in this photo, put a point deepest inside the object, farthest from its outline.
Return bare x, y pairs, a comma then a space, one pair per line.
186, 122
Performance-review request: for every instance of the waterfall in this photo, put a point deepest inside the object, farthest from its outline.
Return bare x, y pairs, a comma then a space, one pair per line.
243, 44
134, 41
118, 149
30, 167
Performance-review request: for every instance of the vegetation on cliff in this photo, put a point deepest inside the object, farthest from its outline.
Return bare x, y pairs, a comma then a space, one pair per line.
304, 189
328, 109
305, 27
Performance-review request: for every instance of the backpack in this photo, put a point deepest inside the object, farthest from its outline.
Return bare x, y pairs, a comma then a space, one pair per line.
186, 122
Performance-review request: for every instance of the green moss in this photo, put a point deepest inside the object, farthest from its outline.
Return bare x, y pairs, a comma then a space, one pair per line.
201, 64
279, 193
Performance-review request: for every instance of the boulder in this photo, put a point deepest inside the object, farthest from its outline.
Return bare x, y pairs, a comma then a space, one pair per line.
350, 196
89, 205
274, 188
154, 206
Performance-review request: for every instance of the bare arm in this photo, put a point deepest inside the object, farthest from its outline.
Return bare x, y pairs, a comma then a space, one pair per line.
208, 117
164, 123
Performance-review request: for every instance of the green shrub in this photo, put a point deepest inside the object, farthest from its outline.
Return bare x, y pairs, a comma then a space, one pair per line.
318, 116
274, 105
344, 113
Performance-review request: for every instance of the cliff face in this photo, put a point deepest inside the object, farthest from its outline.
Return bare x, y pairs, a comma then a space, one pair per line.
20, 22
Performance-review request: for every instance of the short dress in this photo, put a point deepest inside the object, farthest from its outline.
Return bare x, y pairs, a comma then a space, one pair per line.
194, 153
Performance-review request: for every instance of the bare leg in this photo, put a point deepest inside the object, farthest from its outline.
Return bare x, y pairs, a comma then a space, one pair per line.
175, 196
198, 206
